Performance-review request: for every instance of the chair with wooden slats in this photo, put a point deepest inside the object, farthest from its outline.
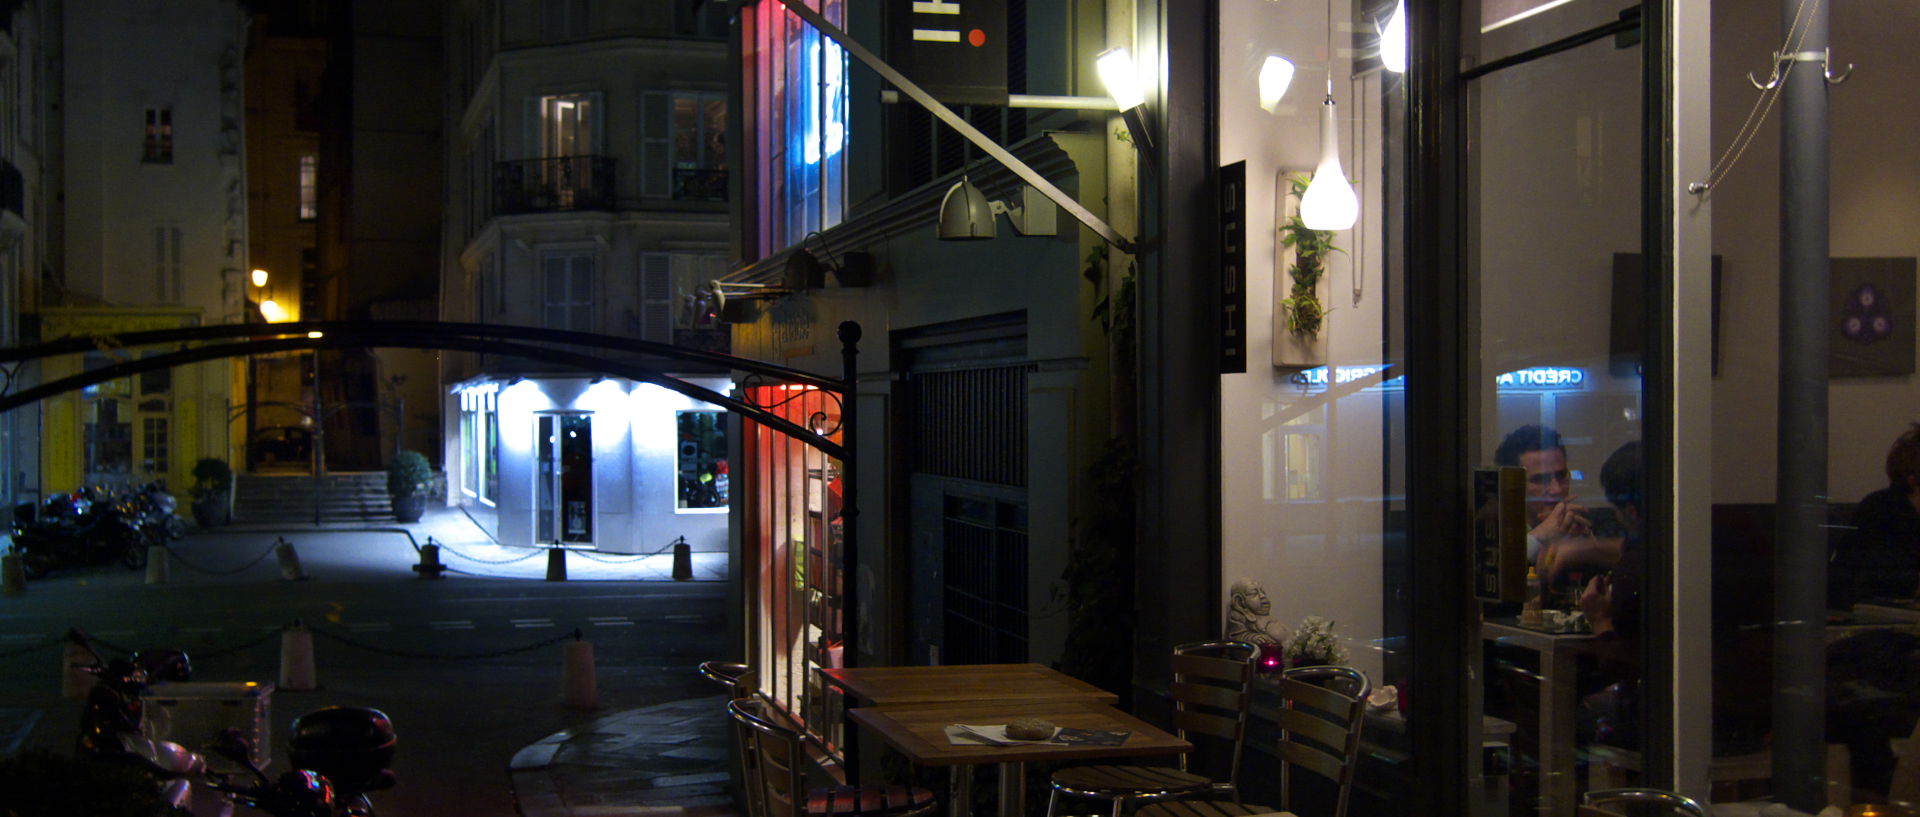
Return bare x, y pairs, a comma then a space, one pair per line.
1212, 694
782, 791
1322, 709
1594, 803
739, 681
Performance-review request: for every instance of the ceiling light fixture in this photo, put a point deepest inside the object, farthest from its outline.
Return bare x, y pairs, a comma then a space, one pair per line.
1275, 75
1329, 203
1393, 40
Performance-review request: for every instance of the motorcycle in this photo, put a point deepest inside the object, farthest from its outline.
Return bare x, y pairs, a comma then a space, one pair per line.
80, 530
158, 517
110, 724
339, 754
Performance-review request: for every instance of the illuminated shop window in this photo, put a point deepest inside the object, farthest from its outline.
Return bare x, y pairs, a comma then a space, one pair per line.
158, 143
701, 463
796, 81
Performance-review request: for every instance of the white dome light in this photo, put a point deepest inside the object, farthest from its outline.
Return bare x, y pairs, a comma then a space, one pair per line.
1329, 203
1393, 41
1275, 76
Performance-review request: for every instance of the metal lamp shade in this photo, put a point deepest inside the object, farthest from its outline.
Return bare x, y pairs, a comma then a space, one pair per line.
965, 214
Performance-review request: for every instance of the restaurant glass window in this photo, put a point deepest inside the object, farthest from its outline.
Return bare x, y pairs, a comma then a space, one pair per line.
1315, 521
1557, 283
795, 81
1814, 500
792, 499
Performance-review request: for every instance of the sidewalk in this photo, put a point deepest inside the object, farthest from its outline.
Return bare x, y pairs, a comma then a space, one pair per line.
465, 550
668, 760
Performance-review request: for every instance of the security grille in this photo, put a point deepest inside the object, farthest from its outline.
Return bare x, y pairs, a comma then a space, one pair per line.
986, 589
972, 424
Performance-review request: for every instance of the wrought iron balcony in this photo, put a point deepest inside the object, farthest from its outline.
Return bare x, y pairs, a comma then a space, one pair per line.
699, 184
553, 185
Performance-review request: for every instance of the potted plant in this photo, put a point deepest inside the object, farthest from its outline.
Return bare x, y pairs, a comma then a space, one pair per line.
211, 478
1299, 337
1313, 645
407, 478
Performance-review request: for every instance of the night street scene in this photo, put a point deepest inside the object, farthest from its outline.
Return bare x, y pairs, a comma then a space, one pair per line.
900, 408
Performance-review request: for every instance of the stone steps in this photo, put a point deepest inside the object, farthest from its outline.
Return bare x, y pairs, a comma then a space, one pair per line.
356, 496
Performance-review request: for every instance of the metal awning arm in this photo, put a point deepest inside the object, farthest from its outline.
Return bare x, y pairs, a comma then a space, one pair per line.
953, 120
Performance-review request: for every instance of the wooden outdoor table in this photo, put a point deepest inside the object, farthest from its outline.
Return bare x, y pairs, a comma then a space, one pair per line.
918, 730
885, 686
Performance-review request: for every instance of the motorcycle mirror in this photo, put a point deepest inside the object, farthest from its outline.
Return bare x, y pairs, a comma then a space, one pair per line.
232, 745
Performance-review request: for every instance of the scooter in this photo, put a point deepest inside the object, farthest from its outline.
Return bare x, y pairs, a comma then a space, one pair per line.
78, 531
110, 724
339, 754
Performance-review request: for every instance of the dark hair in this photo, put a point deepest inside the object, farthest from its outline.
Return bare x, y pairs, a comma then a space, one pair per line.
1903, 460
1621, 476
1526, 438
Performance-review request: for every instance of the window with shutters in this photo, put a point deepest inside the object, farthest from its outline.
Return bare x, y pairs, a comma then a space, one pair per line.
656, 296
567, 288
683, 145
309, 186
796, 109
157, 146
166, 265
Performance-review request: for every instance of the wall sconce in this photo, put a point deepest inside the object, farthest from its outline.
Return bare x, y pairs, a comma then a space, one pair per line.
1122, 79
966, 214
1393, 40
1275, 75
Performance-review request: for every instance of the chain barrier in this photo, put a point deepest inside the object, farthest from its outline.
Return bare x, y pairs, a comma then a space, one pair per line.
212, 572
620, 561
269, 636
55, 642
575, 635
445, 549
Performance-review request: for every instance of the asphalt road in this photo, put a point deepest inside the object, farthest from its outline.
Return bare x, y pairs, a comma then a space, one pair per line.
384, 639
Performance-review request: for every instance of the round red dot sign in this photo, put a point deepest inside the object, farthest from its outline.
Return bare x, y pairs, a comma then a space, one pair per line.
977, 38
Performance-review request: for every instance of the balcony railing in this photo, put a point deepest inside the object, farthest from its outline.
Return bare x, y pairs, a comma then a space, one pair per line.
699, 184
553, 185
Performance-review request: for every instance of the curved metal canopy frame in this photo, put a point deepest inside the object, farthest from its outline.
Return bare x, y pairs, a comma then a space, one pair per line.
239, 340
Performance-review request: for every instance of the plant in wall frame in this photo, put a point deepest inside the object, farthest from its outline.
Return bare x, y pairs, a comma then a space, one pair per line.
1300, 318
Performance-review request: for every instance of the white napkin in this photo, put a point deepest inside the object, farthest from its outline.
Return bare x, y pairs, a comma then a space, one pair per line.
988, 734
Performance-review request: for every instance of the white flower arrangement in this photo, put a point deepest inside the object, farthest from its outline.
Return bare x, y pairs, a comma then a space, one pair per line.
1313, 644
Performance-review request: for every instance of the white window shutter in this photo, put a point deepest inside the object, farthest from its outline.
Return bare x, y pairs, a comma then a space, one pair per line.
656, 297
656, 145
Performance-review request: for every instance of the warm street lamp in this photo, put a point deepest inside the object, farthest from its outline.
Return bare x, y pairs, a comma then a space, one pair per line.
273, 311
259, 277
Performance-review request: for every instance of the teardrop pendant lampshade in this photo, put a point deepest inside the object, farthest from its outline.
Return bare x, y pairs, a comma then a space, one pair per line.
1329, 203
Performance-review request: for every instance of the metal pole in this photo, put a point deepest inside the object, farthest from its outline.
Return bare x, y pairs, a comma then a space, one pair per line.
1800, 552
319, 438
849, 527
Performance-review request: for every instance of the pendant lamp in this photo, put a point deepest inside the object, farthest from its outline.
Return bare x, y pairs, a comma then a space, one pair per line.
1329, 203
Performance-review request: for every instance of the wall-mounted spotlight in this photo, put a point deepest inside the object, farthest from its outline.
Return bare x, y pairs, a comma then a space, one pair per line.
966, 214
1122, 79
805, 270
1275, 75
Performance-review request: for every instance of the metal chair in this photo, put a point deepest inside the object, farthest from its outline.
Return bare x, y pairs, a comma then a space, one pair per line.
781, 759
738, 679
1212, 694
1319, 732
1591, 802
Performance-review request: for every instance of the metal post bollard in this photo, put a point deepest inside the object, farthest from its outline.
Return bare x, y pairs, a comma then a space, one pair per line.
157, 564
577, 677
13, 572
290, 569
556, 564
296, 659
430, 566
682, 560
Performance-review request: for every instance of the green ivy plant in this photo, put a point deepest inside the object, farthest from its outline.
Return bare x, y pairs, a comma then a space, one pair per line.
1305, 314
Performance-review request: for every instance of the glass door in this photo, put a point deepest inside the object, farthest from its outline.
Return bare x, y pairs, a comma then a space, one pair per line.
1557, 293
563, 479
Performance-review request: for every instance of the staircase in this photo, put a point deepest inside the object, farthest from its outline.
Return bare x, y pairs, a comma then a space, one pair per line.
355, 496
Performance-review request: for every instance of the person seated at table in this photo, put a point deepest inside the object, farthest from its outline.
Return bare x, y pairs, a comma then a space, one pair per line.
1560, 539
1880, 556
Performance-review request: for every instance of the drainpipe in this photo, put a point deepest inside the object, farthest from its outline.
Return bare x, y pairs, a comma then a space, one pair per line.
1800, 553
